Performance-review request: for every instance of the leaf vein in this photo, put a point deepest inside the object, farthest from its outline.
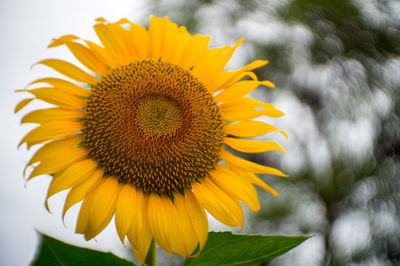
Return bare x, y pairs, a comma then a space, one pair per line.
266, 256
53, 253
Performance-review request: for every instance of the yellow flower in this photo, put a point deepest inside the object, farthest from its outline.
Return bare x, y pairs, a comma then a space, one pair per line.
146, 142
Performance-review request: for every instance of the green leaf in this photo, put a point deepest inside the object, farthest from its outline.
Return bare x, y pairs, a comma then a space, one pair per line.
55, 252
224, 248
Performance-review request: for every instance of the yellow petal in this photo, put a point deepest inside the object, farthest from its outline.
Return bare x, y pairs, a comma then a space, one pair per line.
239, 89
213, 62
57, 97
121, 36
62, 40
98, 208
69, 70
243, 108
101, 19
52, 114
113, 41
170, 40
70, 177
139, 41
102, 53
157, 35
54, 149
182, 39
78, 192
198, 217
238, 115
60, 162
256, 181
230, 77
253, 146
218, 203
186, 231
102, 207
139, 234
84, 212
255, 64
243, 103
87, 58
236, 185
160, 217
64, 86
122, 29
214, 69
245, 165
209, 64
22, 104
247, 103
170, 224
250, 128
49, 131
194, 50
140, 241
125, 210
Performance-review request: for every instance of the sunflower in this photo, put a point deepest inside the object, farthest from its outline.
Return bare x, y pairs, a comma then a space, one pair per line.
143, 138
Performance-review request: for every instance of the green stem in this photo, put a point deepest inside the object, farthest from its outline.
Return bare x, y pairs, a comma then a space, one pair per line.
151, 255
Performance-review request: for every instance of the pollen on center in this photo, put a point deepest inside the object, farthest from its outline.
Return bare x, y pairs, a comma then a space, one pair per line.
158, 116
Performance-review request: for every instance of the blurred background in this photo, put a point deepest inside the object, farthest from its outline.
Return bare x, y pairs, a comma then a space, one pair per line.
336, 65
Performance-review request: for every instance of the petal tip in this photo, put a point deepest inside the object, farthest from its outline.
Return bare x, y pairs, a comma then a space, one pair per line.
46, 205
101, 20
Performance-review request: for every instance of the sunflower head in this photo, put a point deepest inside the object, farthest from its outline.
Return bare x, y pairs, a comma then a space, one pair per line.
153, 125
145, 141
